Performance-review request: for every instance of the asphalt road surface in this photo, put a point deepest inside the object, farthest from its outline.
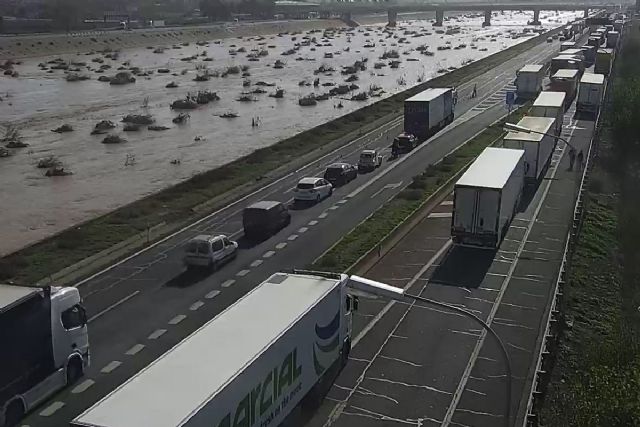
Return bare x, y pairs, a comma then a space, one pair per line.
142, 306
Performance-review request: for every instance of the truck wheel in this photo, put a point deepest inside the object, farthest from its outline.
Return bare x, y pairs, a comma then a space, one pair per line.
14, 414
346, 349
74, 370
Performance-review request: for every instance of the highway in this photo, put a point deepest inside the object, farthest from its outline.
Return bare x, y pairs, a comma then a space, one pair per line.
145, 304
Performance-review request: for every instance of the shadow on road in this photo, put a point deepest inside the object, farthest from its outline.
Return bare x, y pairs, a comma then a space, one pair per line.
463, 267
188, 277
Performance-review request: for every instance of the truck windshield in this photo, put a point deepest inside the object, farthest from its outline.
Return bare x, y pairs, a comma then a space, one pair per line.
366, 156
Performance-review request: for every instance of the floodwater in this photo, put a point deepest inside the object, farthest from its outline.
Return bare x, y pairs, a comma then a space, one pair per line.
108, 176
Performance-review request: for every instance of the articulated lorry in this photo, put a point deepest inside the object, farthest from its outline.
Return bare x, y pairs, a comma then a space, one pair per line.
590, 92
538, 145
428, 112
45, 346
529, 81
565, 80
604, 61
486, 198
249, 366
550, 104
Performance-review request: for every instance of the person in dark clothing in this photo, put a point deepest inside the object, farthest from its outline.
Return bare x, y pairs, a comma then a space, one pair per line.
475, 91
572, 157
581, 159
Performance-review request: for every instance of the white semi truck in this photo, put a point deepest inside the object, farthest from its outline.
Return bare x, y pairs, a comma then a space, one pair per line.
590, 92
550, 104
249, 366
529, 81
538, 145
486, 198
45, 346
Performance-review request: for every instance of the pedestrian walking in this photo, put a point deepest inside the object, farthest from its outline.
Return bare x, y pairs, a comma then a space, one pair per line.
581, 160
475, 90
572, 157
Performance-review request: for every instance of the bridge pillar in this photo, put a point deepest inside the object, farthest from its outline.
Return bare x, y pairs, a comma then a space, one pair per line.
347, 19
392, 15
439, 18
487, 18
536, 18
586, 13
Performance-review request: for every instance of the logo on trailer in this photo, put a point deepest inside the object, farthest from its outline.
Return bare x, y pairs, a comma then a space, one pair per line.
327, 343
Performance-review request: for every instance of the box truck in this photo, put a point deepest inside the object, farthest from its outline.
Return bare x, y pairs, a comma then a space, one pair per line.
590, 91
618, 24
428, 112
565, 81
612, 39
249, 366
529, 81
589, 53
594, 40
565, 62
45, 346
567, 45
550, 104
486, 197
604, 60
538, 145
575, 52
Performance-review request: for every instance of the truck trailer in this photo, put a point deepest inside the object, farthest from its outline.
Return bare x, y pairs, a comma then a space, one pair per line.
612, 39
550, 104
45, 346
590, 91
589, 53
567, 45
428, 112
538, 145
249, 366
565, 81
486, 198
529, 81
604, 61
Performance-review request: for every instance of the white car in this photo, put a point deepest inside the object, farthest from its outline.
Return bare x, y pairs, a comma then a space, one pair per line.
209, 251
312, 190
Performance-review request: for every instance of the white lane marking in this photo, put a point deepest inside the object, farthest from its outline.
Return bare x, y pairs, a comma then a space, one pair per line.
313, 222
386, 187
334, 207
112, 306
385, 126
439, 215
256, 263
494, 309
343, 201
268, 254
110, 367
292, 237
156, 334
242, 273
281, 245
390, 304
213, 294
323, 215
84, 385
134, 350
447, 203
302, 229
52, 409
179, 318
196, 305
225, 284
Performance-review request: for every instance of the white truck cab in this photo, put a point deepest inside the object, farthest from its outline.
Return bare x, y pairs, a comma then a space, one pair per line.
369, 160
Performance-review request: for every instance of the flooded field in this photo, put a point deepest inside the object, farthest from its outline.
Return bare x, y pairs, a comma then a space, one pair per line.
247, 115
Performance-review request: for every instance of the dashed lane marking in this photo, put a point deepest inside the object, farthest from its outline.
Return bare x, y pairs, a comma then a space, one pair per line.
281, 245
179, 318
439, 215
334, 207
156, 334
52, 409
302, 229
225, 284
110, 367
242, 273
313, 222
84, 385
268, 254
292, 237
447, 203
256, 263
196, 305
134, 350
212, 294
323, 215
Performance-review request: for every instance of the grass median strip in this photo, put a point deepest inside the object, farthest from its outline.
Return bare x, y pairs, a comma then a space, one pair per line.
178, 205
372, 231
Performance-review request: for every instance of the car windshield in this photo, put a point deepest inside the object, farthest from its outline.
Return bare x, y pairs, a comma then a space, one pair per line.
334, 172
216, 245
305, 186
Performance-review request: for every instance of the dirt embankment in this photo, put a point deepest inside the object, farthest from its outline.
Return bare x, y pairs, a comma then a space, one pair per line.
52, 44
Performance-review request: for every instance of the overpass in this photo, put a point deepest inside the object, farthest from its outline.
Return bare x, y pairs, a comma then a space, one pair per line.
347, 8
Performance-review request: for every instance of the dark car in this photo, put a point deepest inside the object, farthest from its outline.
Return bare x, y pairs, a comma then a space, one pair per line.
264, 219
340, 173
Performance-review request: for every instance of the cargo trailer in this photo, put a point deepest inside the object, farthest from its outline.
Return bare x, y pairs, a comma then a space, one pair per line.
486, 198
612, 39
428, 112
567, 45
249, 366
594, 40
604, 61
538, 145
565, 81
565, 62
589, 53
578, 53
529, 81
550, 104
618, 24
590, 92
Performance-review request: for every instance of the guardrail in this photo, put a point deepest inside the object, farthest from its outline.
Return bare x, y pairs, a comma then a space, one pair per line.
553, 325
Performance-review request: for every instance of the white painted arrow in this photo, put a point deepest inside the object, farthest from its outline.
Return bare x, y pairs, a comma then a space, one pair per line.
387, 187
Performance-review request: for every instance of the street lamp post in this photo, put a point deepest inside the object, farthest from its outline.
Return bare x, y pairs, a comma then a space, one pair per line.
398, 294
516, 128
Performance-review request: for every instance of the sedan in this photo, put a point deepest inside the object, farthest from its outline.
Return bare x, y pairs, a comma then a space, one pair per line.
312, 190
340, 173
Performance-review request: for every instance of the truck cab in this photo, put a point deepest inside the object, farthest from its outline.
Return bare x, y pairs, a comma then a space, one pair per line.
369, 160
405, 142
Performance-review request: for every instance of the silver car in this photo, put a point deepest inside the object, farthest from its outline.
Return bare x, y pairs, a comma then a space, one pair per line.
209, 251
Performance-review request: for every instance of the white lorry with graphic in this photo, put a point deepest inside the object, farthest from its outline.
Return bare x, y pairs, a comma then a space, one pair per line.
248, 367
